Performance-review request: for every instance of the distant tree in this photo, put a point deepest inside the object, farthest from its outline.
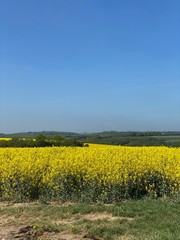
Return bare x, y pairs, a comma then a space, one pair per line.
71, 142
41, 141
58, 138
40, 137
56, 141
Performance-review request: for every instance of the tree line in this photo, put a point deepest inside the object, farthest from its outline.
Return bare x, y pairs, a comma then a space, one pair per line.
41, 141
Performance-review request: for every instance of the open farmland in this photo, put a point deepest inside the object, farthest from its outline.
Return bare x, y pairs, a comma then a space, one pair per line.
72, 184
96, 173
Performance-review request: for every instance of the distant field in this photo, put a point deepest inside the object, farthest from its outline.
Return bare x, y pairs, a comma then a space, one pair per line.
98, 145
6, 139
169, 138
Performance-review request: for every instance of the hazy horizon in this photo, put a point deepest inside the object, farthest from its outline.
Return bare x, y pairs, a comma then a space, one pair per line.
89, 66
85, 132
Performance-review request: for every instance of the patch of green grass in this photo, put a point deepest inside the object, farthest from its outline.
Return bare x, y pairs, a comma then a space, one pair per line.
142, 219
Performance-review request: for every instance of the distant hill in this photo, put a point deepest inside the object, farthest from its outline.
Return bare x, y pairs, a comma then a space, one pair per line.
48, 134
103, 134
168, 138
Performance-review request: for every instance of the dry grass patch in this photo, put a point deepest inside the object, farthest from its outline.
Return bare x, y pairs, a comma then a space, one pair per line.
104, 216
131, 220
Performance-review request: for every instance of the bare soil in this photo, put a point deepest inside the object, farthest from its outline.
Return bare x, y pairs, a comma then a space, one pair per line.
23, 228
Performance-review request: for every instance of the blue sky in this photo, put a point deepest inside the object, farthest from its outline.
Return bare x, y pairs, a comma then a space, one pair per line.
89, 65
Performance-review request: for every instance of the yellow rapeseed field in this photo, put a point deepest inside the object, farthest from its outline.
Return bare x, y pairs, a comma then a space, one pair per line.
5, 139
95, 172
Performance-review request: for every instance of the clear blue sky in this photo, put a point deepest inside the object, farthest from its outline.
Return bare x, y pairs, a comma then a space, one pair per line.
89, 65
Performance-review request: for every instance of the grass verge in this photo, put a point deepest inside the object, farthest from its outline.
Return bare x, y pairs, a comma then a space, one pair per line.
138, 220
